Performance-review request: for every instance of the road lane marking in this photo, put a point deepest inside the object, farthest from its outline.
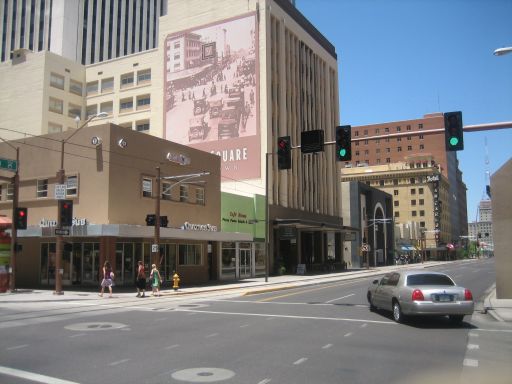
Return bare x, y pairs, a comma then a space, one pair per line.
119, 362
347, 334
16, 347
265, 381
244, 325
364, 325
327, 346
77, 335
172, 346
300, 361
473, 346
33, 376
212, 335
470, 363
304, 291
340, 298
473, 334
270, 317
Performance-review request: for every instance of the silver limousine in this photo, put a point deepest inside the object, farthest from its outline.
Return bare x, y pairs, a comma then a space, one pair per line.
419, 292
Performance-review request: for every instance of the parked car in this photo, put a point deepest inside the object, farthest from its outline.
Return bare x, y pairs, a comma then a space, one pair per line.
229, 121
198, 128
215, 107
200, 106
419, 292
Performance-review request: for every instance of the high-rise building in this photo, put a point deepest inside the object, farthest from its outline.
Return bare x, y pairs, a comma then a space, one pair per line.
85, 31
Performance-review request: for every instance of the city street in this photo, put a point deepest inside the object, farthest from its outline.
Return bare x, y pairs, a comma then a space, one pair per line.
321, 333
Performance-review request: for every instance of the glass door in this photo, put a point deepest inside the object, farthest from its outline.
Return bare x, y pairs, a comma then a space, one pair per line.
91, 260
245, 263
125, 264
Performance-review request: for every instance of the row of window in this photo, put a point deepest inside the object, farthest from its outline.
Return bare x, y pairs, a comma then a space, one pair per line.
396, 203
413, 214
184, 195
388, 150
59, 82
413, 190
7, 190
386, 140
126, 80
126, 105
387, 130
57, 106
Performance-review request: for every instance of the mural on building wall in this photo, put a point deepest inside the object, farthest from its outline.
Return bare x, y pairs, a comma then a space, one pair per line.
211, 98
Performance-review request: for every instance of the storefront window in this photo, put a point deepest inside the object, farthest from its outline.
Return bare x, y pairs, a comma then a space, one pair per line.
228, 260
259, 250
170, 261
48, 263
190, 254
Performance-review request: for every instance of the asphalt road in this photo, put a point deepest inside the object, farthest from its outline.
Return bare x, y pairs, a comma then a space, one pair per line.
315, 334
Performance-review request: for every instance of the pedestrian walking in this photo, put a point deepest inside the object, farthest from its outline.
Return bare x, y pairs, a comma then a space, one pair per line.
156, 280
141, 280
108, 277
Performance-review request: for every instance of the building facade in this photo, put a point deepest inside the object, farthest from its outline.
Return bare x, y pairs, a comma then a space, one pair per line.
262, 71
112, 179
420, 142
481, 230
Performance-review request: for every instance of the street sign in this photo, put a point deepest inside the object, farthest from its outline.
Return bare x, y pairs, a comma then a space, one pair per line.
61, 232
10, 165
60, 191
154, 248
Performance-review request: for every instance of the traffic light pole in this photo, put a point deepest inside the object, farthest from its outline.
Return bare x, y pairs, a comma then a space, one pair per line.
59, 239
14, 229
156, 240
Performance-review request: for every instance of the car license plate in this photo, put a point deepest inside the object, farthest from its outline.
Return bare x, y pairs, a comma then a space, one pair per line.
443, 298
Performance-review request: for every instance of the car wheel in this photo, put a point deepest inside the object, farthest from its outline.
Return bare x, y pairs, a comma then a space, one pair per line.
398, 316
369, 297
456, 319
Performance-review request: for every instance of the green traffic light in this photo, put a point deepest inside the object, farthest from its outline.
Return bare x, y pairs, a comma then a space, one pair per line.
343, 152
454, 141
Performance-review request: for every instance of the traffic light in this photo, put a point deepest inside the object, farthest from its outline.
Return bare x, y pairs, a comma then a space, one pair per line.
150, 220
453, 131
344, 143
66, 213
284, 153
21, 218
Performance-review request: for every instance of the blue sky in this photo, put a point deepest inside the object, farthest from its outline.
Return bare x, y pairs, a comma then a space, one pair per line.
401, 59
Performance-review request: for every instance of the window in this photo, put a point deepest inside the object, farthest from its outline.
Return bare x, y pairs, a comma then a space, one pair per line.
56, 81
429, 279
420, 191
107, 107
377, 141
395, 192
356, 133
92, 88
92, 110
365, 132
421, 137
397, 214
42, 188
166, 191
377, 130
413, 202
143, 102
366, 141
107, 85
414, 213
420, 126
396, 203
398, 129
393, 280
412, 180
388, 150
422, 213
357, 143
71, 185
56, 105
388, 160
413, 191
387, 139
127, 80
399, 149
200, 196
421, 201
381, 183
386, 130
54, 128
75, 87
126, 105
357, 153
144, 76
409, 147
183, 193
147, 187
395, 181
142, 126
408, 127
189, 254
422, 224
398, 139
366, 152
74, 110
422, 146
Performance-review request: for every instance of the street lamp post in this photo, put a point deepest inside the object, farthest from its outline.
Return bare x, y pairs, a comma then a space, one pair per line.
61, 175
502, 51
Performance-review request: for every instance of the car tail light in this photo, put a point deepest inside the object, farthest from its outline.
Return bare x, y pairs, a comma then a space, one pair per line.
468, 295
417, 295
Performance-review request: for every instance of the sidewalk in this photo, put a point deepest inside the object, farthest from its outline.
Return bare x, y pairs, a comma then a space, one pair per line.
500, 309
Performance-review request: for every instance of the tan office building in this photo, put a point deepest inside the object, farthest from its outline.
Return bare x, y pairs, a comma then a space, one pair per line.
111, 177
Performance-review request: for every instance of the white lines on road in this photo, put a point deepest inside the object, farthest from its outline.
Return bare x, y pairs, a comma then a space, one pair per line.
347, 334
119, 362
265, 381
77, 335
172, 346
473, 334
33, 376
244, 325
364, 325
270, 317
327, 346
211, 335
16, 347
470, 363
339, 298
300, 361
473, 346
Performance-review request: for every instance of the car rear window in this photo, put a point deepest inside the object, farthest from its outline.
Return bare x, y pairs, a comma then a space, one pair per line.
428, 279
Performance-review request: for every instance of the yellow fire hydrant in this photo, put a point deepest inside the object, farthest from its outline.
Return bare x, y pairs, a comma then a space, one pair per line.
176, 281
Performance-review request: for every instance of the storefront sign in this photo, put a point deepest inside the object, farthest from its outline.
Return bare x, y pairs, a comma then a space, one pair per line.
199, 227
46, 223
431, 179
